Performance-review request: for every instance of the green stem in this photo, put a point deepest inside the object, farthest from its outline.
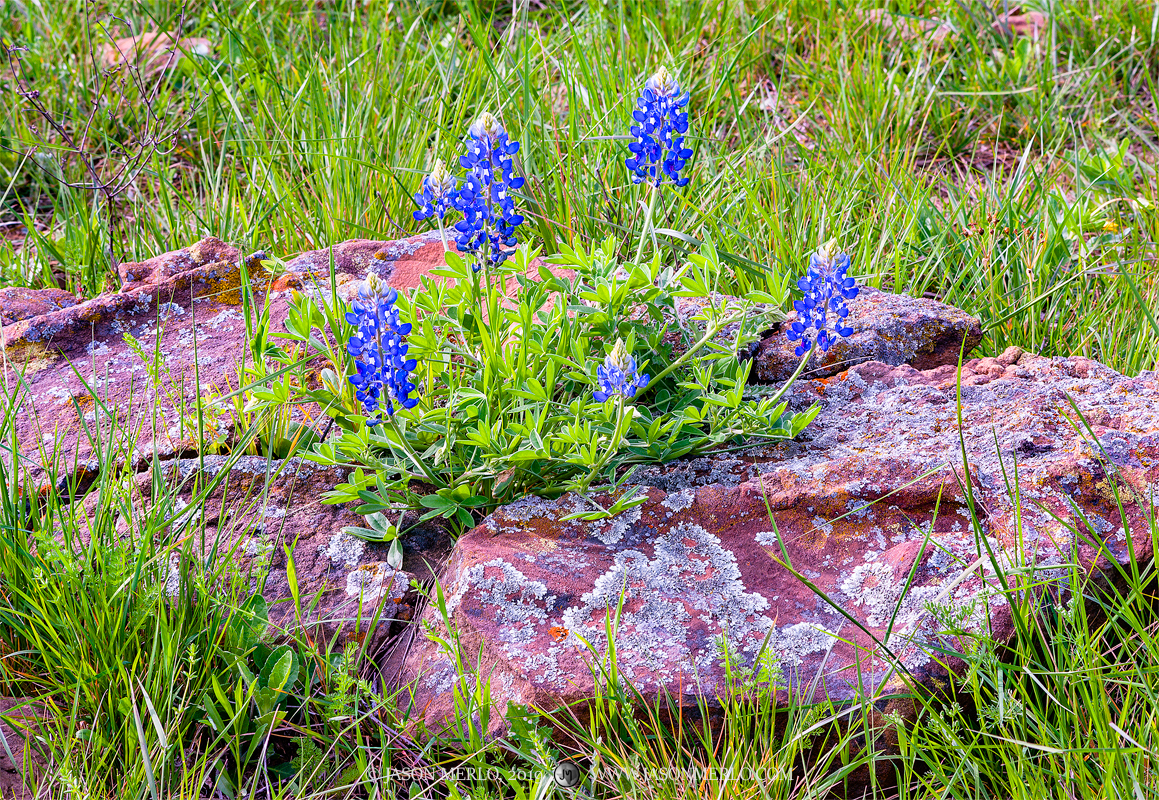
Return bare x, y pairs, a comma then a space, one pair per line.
647, 222
800, 368
434, 479
688, 354
612, 447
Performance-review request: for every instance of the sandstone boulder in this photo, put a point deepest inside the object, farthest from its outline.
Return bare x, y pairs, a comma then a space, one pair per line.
123, 370
253, 514
861, 557
17, 303
12, 770
153, 51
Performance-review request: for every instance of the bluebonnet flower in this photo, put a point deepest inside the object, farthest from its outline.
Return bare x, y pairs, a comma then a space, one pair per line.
379, 347
826, 289
489, 216
617, 375
659, 152
438, 194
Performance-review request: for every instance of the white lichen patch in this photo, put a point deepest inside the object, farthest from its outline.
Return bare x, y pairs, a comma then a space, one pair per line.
766, 538
344, 549
512, 597
794, 643
186, 521
168, 311
59, 394
872, 586
529, 508
680, 501
690, 575
612, 531
173, 576
374, 581
257, 547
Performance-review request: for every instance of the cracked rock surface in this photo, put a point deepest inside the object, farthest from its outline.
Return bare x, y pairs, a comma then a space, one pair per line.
254, 515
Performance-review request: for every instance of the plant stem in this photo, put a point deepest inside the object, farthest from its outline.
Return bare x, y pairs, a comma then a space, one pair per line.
688, 354
800, 368
612, 447
654, 195
434, 479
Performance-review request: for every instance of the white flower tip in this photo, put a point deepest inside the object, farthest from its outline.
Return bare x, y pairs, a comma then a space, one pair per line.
486, 125
662, 82
620, 357
374, 285
828, 250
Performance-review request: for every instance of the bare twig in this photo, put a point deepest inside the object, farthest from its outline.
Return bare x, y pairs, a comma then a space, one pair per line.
110, 175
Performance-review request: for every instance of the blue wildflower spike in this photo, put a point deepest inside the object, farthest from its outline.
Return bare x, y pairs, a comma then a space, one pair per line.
617, 375
826, 287
378, 347
438, 195
488, 208
659, 154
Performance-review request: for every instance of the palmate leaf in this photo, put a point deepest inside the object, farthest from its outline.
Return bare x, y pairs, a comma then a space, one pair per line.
380, 528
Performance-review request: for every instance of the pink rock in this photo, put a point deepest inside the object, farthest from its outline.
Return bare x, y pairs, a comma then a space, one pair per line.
152, 51
869, 507
259, 511
1021, 23
79, 369
17, 303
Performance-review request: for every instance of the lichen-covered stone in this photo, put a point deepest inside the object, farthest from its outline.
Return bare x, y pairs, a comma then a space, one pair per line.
257, 512
125, 368
891, 328
17, 303
871, 508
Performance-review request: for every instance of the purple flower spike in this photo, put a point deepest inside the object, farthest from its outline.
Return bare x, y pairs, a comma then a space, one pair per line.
659, 154
489, 215
379, 347
617, 375
826, 288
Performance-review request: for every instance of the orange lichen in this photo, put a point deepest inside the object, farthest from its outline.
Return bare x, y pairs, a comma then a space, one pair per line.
35, 355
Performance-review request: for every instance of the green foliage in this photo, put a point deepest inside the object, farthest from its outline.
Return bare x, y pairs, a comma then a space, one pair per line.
507, 364
934, 162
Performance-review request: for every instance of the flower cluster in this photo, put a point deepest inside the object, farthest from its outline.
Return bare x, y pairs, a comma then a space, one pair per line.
379, 347
826, 289
439, 193
489, 216
485, 200
659, 152
617, 375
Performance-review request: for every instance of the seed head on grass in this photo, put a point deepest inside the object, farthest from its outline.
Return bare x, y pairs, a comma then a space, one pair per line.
438, 195
659, 154
489, 215
617, 375
826, 289
379, 347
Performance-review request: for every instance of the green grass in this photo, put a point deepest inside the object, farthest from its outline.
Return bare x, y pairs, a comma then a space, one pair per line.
310, 127
1014, 179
